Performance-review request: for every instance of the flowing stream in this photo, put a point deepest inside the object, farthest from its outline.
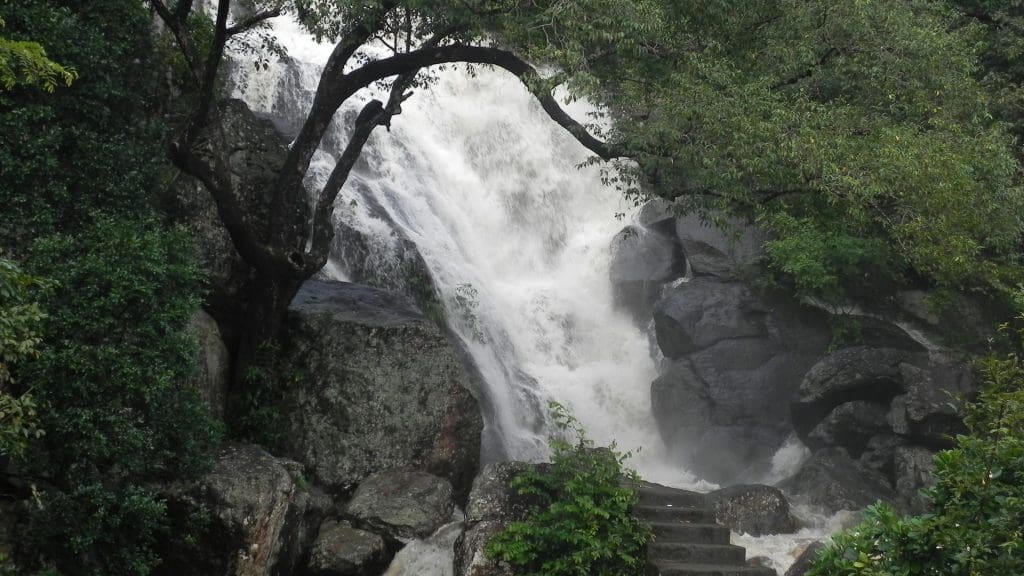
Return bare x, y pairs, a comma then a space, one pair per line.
516, 236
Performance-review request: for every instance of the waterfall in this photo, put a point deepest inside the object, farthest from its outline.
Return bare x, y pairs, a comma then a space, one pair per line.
516, 236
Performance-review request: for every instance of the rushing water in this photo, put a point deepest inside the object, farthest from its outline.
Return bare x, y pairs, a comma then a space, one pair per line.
516, 236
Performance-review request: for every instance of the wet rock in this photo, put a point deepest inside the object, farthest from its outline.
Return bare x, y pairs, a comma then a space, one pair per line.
753, 509
738, 358
210, 377
642, 261
806, 559
935, 391
260, 511
859, 373
493, 505
656, 212
402, 504
341, 550
880, 452
379, 387
851, 426
834, 481
713, 251
470, 551
492, 496
701, 312
681, 403
913, 468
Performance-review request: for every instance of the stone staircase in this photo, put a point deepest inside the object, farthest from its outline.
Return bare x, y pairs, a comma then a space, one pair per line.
687, 541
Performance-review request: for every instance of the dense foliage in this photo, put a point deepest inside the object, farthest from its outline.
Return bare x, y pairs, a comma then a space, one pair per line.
79, 171
976, 526
857, 132
581, 524
20, 317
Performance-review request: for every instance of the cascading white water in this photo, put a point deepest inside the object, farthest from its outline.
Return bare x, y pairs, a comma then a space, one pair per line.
516, 237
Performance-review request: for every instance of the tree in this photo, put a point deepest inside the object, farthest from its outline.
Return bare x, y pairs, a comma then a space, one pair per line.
292, 243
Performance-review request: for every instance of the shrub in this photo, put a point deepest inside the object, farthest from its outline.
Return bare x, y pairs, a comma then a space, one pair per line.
582, 525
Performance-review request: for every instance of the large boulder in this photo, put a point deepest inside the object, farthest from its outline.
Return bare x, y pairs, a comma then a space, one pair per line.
730, 248
753, 509
381, 387
702, 312
851, 374
642, 261
832, 480
402, 504
341, 550
261, 516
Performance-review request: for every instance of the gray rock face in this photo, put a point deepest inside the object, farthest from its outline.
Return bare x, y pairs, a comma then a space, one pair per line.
341, 550
713, 252
806, 559
257, 151
211, 374
753, 509
403, 503
381, 388
913, 468
933, 393
259, 513
834, 481
850, 425
722, 404
470, 556
642, 261
492, 496
859, 373
701, 312
493, 504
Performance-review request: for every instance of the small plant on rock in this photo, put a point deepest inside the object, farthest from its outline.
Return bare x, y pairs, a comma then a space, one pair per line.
582, 524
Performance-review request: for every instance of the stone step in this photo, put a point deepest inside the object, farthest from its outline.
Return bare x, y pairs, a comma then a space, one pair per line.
687, 569
696, 533
724, 554
657, 495
674, 514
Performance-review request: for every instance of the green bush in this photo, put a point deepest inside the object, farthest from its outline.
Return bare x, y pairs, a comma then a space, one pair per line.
583, 525
111, 382
976, 526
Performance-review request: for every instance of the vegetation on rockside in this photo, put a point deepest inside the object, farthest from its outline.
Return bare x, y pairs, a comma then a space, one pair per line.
975, 524
581, 524
80, 169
